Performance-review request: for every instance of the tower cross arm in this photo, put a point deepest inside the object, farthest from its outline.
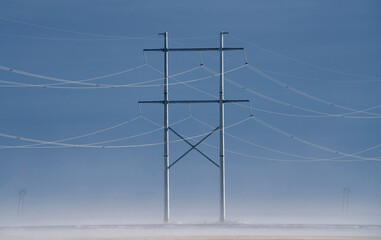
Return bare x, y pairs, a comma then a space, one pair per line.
189, 49
194, 101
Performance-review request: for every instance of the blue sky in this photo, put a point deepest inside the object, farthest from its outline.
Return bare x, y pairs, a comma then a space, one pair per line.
325, 49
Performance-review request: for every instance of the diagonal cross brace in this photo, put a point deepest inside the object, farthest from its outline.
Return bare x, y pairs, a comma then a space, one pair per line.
194, 147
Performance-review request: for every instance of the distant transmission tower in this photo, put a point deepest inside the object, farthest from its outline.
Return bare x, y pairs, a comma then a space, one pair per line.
20, 208
221, 128
346, 192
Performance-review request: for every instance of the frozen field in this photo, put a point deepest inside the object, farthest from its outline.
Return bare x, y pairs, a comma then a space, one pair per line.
192, 231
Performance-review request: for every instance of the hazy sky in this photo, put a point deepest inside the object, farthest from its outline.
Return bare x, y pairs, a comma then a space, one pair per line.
327, 54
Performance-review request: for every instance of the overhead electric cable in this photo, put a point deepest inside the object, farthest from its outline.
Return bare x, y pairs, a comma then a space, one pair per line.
306, 94
300, 156
319, 79
333, 159
297, 160
310, 143
88, 79
103, 76
322, 114
305, 63
289, 105
238, 104
94, 85
109, 146
74, 39
71, 31
266, 97
95, 143
80, 136
90, 146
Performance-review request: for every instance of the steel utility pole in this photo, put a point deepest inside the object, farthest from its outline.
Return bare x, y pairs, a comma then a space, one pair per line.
222, 132
221, 128
166, 131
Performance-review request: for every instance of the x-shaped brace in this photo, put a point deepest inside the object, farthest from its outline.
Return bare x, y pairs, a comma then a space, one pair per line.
194, 147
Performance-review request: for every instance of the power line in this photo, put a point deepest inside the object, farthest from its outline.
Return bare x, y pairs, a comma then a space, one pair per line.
340, 115
33, 146
81, 80
238, 104
324, 114
81, 136
310, 143
334, 159
63, 81
293, 160
313, 116
299, 156
108, 37
346, 115
95, 85
328, 159
76, 32
306, 94
320, 79
141, 85
103, 76
289, 105
263, 158
14, 84
74, 39
303, 62
90, 145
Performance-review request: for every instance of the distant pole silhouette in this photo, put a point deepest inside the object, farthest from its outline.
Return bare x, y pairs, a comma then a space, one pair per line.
20, 208
346, 192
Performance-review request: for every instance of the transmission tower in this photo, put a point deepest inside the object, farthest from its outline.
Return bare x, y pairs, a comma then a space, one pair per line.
221, 128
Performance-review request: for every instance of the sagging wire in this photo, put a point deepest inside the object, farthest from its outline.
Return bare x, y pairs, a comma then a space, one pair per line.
302, 62
278, 82
324, 114
76, 32
334, 159
91, 145
98, 86
80, 136
310, 143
